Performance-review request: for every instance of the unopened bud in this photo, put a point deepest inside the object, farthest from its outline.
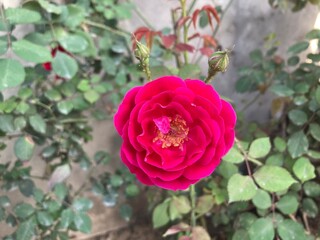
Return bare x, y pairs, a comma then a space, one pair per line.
218, 62
141, 52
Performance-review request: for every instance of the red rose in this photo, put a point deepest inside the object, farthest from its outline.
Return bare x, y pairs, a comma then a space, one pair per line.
174, 132
47, 65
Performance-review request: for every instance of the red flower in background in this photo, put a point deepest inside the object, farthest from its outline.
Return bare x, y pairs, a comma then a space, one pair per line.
47, 65
174, 132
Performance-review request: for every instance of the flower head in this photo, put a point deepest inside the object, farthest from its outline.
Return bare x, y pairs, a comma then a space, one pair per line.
174, 131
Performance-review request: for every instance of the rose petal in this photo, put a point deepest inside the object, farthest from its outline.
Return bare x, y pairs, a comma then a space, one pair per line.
157, 86
124, 110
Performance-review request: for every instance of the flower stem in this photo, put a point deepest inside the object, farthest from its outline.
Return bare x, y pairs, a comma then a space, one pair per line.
185, 28
193, 204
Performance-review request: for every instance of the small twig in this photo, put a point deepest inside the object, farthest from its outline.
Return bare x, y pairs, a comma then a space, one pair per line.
176, 32
191, 7
252, 101
306, 222
221, 17
244, 152
185, 29
143, 18
3, 16
107, 28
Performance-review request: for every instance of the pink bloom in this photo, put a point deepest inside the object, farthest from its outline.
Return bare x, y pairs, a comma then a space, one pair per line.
174, 132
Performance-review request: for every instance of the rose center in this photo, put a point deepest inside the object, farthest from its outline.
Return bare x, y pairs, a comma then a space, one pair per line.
171, 131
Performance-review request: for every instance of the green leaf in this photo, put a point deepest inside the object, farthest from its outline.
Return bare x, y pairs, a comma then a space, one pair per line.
26, 187
298, 47
116, 180
313, 34
19, 123
132, 190
241, 188
190, 71
64, 65
294, 60
50, 7
26, 230
82, 204
53, 95
38, 123
204, 204
126, 212
6, 123
262, 199
31, 52
291, 230
310, 207
67, 217
182, 204
262, 229
82, 222
227, 169
304, 170
60, 190
160, 215
288, 204
282, 90
38, 194
65, 107
74, 43
76, 15
24, 148
91, 96
4, 201
240, 234
273, 178
315, 131
280, 144
22, 16
234, 156
23, 210
12, 73
84, 85
298, 144
260, 147
298, 117
22, 107
44, 218
312, 189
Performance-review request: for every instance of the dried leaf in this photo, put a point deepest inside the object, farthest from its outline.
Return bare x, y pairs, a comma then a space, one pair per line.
181, 227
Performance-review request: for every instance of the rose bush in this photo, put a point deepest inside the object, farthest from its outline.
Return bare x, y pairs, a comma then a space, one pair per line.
174, 131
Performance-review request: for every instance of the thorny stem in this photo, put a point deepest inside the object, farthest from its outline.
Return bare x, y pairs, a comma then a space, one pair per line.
185, 28
193, 204
245, 156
